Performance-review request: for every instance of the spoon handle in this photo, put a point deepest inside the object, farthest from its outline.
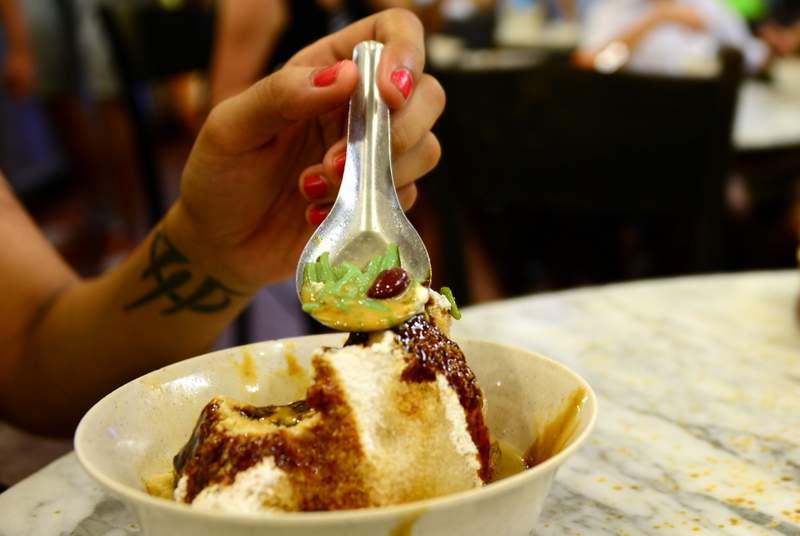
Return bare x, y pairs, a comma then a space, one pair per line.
367, 179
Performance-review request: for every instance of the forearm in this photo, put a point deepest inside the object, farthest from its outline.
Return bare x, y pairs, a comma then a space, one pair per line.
636, 33
608, 53
13, 22
160, 306
247, 33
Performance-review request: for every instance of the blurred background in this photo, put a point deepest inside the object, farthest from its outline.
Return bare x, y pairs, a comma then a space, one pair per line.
584, 141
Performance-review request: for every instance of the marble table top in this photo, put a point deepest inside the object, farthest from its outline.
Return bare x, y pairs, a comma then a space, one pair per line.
698, 381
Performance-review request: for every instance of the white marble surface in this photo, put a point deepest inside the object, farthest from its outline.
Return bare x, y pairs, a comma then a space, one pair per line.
699, 429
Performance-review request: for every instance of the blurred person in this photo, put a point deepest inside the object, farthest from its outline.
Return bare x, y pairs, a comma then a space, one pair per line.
247, 32
783, 40
780, 28
27, 150
674, 37
561, 9
254, 37
18, 70
263, 172
78, 88
473, 21
784, 11
751, 10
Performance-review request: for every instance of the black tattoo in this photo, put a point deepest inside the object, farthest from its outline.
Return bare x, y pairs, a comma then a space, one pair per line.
169, 269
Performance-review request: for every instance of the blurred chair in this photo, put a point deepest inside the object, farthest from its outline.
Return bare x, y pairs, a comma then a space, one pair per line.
559, 170
151, 44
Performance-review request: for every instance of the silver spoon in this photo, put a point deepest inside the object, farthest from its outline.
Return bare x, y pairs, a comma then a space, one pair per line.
367, 215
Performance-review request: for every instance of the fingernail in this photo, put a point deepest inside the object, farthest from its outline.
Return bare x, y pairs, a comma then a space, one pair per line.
317, 214
314, 186
403, 81
326, 76
338, 163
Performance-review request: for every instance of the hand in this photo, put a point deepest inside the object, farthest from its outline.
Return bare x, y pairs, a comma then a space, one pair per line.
669, 12
18, 72
241, 209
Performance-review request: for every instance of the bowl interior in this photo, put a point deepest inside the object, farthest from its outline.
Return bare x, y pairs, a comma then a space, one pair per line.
134, 432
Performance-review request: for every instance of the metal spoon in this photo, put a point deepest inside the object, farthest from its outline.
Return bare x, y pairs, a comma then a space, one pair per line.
367, 215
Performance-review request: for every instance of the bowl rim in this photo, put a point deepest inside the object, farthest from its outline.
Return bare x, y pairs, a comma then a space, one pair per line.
139, 498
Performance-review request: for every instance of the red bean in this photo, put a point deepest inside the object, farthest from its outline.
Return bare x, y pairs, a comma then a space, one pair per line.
389, 283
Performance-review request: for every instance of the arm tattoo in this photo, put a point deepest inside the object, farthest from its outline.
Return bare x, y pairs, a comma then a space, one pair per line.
170, 272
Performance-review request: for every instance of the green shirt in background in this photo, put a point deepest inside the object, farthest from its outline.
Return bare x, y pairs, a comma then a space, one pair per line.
750, 9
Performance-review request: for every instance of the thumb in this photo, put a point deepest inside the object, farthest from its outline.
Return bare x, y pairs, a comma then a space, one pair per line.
252, 118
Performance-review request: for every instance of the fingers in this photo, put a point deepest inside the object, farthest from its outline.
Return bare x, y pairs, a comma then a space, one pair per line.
252, 118
410, 129
418, 161
334, 160
319, 79
315, 186
321, 191
317, 212
403, 56
402, 59
408, 196
411, 123
418, 100
320, 183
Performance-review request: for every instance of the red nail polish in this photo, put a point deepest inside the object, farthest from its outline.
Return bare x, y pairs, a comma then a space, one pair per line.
317, 214
315, 187
338, 163
403, 81
326, 76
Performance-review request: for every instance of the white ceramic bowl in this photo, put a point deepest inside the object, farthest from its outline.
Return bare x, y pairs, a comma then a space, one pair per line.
134, 432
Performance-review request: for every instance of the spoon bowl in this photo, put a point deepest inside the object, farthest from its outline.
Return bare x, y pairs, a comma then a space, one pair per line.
367, 215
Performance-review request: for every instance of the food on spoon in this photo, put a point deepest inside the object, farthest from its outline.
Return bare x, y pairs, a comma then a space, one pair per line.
347, 298
393, 416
